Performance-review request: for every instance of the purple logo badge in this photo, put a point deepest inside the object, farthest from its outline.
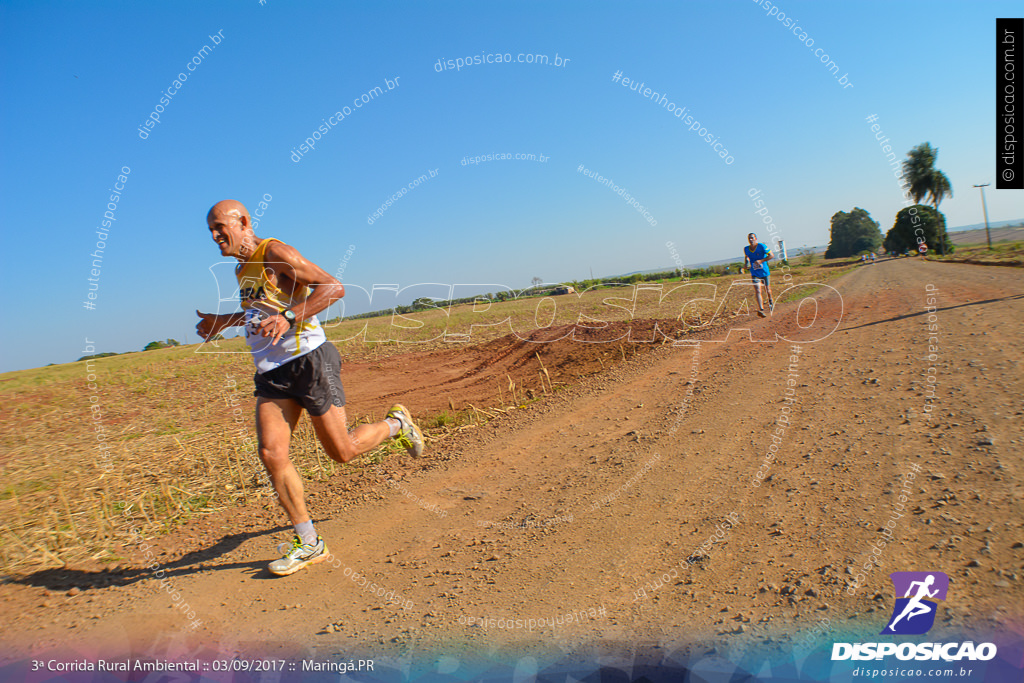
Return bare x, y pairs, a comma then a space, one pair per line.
917, 596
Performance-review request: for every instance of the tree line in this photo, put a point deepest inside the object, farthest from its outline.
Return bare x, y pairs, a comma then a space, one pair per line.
916, 228
536, 290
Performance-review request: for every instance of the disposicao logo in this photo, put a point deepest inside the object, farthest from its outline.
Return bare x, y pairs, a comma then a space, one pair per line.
914, 612
917, 596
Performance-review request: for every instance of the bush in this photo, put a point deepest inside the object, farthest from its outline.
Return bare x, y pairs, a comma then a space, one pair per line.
915, 225
853, 233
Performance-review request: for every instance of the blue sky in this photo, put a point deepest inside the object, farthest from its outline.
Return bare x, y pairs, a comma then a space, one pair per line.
78, 80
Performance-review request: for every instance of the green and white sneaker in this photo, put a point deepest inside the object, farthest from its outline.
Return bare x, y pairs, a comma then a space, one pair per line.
298, 556
409, 436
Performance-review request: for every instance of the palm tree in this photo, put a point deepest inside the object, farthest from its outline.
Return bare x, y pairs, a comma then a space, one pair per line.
940, 188
923, 179
917, 170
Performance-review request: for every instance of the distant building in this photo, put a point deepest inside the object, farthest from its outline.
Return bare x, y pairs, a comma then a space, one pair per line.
564, 289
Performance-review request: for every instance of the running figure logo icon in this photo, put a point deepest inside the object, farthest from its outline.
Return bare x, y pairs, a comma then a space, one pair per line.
914, 612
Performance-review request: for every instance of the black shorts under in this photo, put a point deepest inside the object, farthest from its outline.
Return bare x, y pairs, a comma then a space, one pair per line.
313, 380
764, 279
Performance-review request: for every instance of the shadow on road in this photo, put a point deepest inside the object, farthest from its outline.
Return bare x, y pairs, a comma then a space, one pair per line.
923, 312
61, 579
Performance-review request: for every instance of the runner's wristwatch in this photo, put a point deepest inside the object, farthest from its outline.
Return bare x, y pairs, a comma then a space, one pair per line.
289, 316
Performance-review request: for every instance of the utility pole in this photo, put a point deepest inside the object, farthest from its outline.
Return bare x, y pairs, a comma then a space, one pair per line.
985, 209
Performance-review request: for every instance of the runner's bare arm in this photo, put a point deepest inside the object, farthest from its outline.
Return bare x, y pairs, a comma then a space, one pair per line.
211, 323
291, 265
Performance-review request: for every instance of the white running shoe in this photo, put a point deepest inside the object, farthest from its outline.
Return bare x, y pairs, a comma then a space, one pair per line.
299, 555
409, 435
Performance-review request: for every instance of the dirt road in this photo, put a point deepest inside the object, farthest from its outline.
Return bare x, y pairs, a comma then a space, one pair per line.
633, 503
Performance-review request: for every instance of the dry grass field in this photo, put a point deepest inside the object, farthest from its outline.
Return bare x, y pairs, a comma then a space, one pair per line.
560, 477
168, 434
1005, 254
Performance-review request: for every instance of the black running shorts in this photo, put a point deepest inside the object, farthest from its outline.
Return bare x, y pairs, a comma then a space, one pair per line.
312, 380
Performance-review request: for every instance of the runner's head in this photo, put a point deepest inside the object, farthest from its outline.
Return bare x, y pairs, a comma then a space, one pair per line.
752, 238
231, 228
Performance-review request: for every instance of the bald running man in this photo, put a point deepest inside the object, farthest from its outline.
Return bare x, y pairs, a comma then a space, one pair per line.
296, 367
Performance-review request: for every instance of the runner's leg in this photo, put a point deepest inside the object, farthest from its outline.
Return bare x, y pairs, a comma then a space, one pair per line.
341, 444
275, 420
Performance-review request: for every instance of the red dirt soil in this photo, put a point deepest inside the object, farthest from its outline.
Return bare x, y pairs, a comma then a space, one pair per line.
589, 498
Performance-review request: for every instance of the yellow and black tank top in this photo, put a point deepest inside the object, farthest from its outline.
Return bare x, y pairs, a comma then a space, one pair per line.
260, 299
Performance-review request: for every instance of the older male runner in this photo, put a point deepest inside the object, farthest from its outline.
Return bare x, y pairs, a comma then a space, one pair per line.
296, 367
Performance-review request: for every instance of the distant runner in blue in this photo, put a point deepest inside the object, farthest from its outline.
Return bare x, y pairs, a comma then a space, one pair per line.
758, 255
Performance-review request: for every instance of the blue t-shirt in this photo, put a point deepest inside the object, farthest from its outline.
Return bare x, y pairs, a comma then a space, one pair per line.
760, 252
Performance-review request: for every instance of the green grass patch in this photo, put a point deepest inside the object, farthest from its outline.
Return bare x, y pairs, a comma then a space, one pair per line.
20, 489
